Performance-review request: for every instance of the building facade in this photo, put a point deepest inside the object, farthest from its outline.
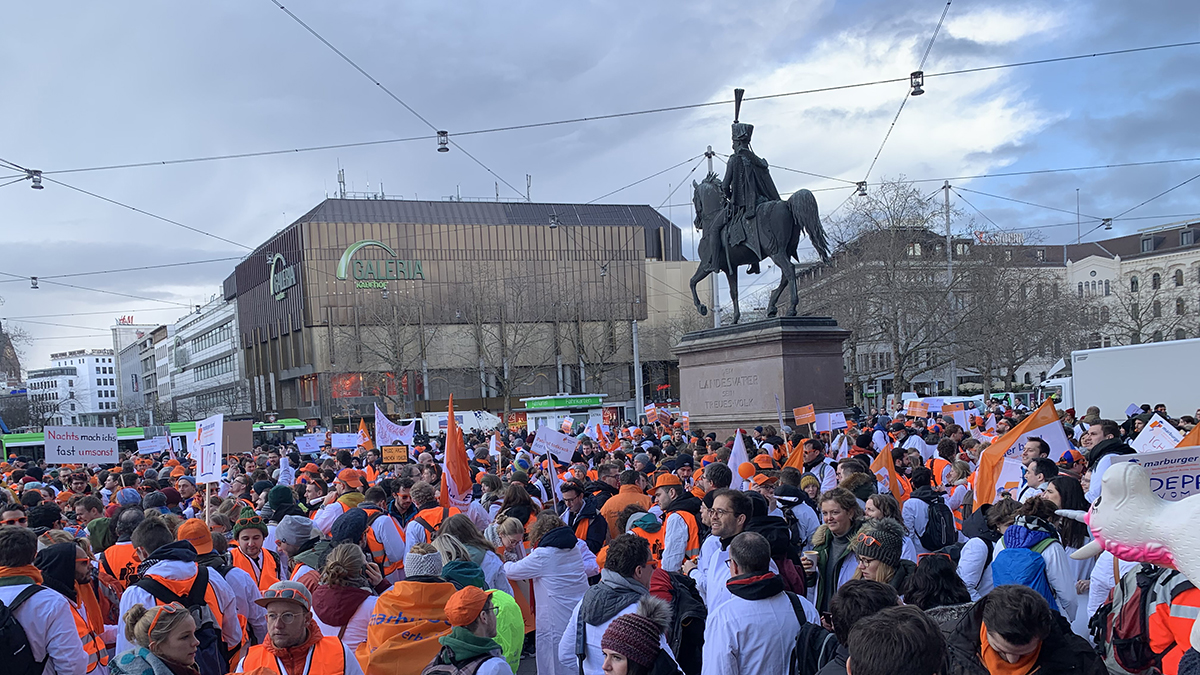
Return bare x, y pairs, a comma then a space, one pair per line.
403, 303
80, 388
204, 363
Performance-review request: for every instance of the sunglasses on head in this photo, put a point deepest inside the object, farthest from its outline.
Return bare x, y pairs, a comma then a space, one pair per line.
252, 520
868, 539
933, 553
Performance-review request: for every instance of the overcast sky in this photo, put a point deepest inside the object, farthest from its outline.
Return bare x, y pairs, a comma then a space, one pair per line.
93, 84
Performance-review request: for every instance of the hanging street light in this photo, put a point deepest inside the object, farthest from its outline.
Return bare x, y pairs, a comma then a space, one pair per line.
917, 80
443, 140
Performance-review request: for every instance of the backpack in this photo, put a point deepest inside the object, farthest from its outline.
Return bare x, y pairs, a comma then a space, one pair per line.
1025, 567
955, 550
685, 634
814, 647
939, 530
211, 656
1120, 627
14, 643
468, 667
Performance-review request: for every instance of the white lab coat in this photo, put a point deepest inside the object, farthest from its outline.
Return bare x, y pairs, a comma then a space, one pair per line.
389, 533
712, 572
593, 658
50, 629
975, 569
750, 636
231, 630
356, 627
1059, 574
559, 582
916, 520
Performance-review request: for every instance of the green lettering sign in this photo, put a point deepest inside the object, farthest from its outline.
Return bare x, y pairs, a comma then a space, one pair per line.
373, 273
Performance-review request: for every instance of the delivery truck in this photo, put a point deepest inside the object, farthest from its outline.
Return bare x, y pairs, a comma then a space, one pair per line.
1113, 378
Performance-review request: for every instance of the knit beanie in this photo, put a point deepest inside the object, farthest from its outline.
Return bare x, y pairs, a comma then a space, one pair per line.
633, 636
881, 540
261, 486
249, 519
808, 480
280, 496
423, 564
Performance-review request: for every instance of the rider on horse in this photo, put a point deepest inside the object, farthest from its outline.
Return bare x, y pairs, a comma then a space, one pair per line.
747, 184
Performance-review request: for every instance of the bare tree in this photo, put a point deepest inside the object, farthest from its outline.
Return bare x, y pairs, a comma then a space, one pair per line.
1141, 308
387, 346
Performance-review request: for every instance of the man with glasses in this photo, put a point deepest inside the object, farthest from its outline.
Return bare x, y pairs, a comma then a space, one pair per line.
294, 643
606, 484
582, 517
470, 646
13, 514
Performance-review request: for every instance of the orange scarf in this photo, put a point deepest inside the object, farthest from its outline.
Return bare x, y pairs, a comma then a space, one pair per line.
996, 665
22, 571
91, 605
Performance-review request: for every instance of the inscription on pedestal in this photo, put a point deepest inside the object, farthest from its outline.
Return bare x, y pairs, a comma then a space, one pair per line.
727, 388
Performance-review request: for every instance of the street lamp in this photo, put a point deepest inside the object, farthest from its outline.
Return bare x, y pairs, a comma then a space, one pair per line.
443, 141
917, 80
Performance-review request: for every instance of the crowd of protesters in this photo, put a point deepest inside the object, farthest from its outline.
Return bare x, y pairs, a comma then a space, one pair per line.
649, 552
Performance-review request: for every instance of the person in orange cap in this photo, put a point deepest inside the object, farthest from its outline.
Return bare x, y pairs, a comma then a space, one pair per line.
348, 487
681, 521
764, 461
471, 643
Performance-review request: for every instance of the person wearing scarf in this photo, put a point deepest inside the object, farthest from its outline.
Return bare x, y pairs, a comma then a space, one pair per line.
45, 616
294, 640
472, 616
755, 630
67, 569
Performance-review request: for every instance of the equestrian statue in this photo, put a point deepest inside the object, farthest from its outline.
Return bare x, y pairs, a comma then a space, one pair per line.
743, 221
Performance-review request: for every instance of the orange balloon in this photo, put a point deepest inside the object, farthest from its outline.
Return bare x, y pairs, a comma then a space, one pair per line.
746, 470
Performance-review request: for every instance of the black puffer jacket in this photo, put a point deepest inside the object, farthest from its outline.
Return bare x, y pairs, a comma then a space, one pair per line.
1062, 653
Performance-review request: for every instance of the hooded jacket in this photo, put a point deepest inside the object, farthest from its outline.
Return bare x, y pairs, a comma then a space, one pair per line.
832, 571
1062, 652
599, 492
863, 485
613, 596
595, 532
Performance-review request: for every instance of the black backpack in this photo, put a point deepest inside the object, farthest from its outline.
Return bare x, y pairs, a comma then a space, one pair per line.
815, 646
469, 667
212, 657
14, 643
685, 635
939, 530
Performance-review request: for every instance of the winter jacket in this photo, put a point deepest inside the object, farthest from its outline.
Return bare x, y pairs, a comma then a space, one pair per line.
594, 527
628, 494
1026, 533
681, 539
613, 596
140, 661
343, 612
839, 571
863, 485
559, 582
1062, 652
599, 492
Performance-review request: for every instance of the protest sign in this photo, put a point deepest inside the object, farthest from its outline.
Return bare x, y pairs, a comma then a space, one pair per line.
916, 408
153, 445
309, 444
804, 414
935, 405
237, 438
1133, 410
953, 407
822, 422
837, 420
348, 441
1174, 474
961, 417
1158, 435
388, 432
567, 424
683, 419
81, 445
551, 442
395, 454
210, 438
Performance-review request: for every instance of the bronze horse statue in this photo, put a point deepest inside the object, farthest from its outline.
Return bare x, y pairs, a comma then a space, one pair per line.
780, 224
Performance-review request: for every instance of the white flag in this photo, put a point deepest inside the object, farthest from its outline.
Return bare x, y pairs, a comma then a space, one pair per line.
388, 432
738, 456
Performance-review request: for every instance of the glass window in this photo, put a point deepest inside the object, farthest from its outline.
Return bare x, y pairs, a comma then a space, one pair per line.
1107, 289
1180, 334
1156, 309
1147, 245
1133, 284
1180, 307
1156, 281
1157, 336
1178, 277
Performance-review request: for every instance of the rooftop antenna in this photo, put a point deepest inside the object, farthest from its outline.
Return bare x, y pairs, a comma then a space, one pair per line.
497, 190
528, 185
341, 182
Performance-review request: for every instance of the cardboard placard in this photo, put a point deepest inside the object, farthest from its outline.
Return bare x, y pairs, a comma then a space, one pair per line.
394, 454
345, 441
805, 414
81, 445
1173, 473
953, 407
1157, 436
153, 445
837, 420
209, 438
683, 420
238, 437
309, 444
549, 441
916, 408
821, 422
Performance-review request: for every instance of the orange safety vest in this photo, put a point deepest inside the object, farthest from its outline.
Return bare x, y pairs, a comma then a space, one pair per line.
905, 488
182, 587
120, 560
378, 552
693, 541
264, 578
326, 657
655, 539
431, 519
92, 644
372, 474
938, 466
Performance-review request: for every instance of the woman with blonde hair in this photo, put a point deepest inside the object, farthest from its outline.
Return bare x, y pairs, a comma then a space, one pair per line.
343, 601
166, 642
481, 551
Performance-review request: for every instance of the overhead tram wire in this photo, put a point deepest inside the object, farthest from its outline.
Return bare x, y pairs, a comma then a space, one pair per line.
1021, 201
17, 180
968, 203
98, 290
632, 113
1161, 194
677, 185
1034, 172
908, 93
389, 92
118, 311
147, 213
127, 269
643, 180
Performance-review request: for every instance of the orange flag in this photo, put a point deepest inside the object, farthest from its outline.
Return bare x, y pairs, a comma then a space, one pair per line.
1192, 439
1000, 466
364, 436
796, 457
885, 470
456, 478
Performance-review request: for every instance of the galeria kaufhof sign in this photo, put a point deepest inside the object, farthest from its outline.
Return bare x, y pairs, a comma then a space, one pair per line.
376, 273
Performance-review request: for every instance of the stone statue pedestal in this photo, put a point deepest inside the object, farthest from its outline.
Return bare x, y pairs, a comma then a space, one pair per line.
729, 376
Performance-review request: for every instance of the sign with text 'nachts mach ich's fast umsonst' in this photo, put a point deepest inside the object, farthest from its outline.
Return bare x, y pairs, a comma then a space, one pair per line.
81, 445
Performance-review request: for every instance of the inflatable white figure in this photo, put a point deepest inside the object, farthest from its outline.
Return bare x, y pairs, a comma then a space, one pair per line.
1134, 524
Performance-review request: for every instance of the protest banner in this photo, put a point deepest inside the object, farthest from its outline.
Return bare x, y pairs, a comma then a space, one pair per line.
916, 408
395, 454
935, 405
1157, 436
822, 423
550, 442
153, 445
837, 420
995, 471
1174, 474
210, 439
804, 414
953, 407
683, 419
309, 444
388, 432
349, 441
81, 445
